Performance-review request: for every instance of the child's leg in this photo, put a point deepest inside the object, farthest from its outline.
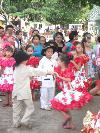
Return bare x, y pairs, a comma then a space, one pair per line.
94, 91
66, 115
68, 124
51, 92
33, 95
17, 109
6, 100
44, 98
28, 111
10, 98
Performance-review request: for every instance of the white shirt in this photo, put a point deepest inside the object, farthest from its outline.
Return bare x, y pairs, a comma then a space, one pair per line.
22, 75
48, 65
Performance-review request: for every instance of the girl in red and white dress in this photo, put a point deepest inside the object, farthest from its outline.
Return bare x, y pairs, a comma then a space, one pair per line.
69, 98
6, 79
79, 59
34, 62
80, 62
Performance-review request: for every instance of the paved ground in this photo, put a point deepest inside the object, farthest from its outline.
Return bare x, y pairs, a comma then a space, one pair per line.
47, 122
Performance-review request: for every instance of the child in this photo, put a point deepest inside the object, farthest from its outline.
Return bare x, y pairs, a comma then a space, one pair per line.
48, 84
21, 93
34, 62
69, 97
37, 46
6, 80
86, 43
79, 59
42, 40
96, 90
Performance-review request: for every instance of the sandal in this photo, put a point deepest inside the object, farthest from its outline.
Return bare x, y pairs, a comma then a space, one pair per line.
5, 105
66, 121
69, 127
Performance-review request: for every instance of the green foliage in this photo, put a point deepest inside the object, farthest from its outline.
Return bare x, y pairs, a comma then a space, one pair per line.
54, 11
59, 12
11, 9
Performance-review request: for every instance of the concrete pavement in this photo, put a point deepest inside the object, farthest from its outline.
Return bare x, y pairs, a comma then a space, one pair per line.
47, 121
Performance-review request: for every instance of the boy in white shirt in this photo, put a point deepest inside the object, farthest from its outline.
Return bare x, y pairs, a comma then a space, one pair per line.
48, 83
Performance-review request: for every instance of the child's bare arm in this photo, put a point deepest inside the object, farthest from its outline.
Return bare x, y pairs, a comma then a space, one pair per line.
63, 78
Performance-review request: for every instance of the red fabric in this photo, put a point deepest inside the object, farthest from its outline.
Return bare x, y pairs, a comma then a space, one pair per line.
7, 62
74, 104
98, 83
82, 60
33, 61
35, 84
67, 73
6, 87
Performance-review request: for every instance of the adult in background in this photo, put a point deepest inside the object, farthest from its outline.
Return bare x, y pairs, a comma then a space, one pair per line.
59, 39
18, 39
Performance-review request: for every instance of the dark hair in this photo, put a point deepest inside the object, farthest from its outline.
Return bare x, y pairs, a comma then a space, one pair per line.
18, 31
54, 43
72, 35
56, 34
66, 58
35, 30
98, 39
29, 46
86, 34
43, 37
38, 36
21, 56
84, 40
9, 26
1, 27
8, 48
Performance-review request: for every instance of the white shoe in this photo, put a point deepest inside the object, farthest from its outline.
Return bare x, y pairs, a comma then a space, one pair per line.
0, 100
48, 109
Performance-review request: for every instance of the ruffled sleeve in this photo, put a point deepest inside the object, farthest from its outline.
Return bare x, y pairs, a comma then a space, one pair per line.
8, 62
85, 59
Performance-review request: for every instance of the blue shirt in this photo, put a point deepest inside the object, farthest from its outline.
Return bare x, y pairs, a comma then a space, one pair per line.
37, 50
68, 45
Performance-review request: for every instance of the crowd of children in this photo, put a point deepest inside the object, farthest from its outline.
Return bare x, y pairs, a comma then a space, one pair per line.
71, 67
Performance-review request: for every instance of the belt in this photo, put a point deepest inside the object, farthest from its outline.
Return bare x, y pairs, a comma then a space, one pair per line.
46, 79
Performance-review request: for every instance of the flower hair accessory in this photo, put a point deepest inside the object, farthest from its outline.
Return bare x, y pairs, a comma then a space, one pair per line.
73, 48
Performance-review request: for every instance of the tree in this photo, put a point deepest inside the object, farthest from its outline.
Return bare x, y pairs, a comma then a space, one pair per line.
54, 11
59, 12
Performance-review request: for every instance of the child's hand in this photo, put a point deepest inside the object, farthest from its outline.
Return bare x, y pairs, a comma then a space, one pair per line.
50, 72
56, 74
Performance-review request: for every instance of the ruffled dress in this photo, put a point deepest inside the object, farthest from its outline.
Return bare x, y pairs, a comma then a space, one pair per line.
82, 60
6, 77
71, 96
34, 83
91, 123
